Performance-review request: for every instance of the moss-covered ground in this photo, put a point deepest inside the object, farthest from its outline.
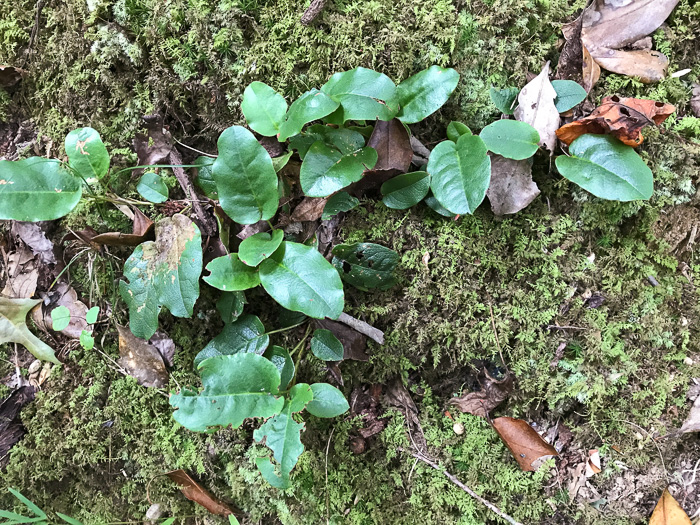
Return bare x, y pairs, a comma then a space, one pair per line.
97, 442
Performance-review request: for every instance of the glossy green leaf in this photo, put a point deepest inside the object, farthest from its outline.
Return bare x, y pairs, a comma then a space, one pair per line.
164, 272
259, 247
263, 108
236, 387
511, 139
299, 278
366, 265
424, 93
13, 327
363, 94
504, 99
205, 177
231, 275
328, 401
339, 202
405, 190
460, 173
343, 139
326, 346
245, 335
326, 170
312, 105
457, 129
284, 363
86, 340
37, 189
607, 168
230, 306
569, 94
299, 396
91, 315
87, 154
152, 188
60, 317
433, 204
280, 162
245, 178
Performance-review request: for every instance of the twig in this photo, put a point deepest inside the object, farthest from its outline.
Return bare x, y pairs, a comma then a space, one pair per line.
462, 486
313, 11
195, 149
557, 327
208, 227
360, 326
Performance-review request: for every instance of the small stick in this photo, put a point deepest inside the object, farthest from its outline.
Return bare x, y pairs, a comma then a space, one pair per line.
313, 11
207, 226
462, 486
370, 331
557, 327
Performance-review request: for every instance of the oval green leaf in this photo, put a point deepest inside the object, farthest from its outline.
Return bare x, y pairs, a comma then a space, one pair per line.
328, 401
283, 361
86, 340
236, 387
87, 154
230, 306
504, 99
60, 318
326, 346
259, 247
457, 129
569, 94
299, 278
244, 336
406, 190
244, 177
326, 170
263, 108
366, 265
312, 105
339, 202
231, 275
37, 189
363, 94
434, 205
91, 315
205, 178
460, 174
152, 188
424, 93
607, 168
511, 139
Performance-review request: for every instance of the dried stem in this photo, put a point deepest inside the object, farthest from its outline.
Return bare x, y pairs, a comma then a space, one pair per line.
360, 326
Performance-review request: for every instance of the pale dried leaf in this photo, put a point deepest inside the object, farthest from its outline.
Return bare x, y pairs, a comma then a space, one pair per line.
22, 274
647, 65
536, 107
309, 209
33, 236
511, 188
692, 422
141, 360
492, 394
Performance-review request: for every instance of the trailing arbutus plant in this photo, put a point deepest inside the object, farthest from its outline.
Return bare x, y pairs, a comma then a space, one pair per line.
344, 135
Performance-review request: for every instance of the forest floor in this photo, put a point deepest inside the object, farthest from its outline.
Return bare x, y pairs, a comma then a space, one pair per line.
590, 304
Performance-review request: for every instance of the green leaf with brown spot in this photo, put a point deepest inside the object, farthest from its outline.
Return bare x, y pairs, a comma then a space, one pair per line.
163, 273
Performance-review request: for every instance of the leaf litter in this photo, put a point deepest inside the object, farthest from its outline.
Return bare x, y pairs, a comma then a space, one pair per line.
536, 107
193, 491
141, 359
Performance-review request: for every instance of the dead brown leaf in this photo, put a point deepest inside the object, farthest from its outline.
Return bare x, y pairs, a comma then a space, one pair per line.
141, 360
511, 188
610, 27
397, 395
11, 429
142, 230
621, 117
34, 236
10, 75
393, 145
63, 295
309, 209
570, 65
354, 343
22, 273
155, 145
193, 491
591, 70
523, 441
668, 512
492, 394
692, 422
536, 107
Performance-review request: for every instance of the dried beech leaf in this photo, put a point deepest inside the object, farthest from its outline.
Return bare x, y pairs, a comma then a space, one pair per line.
393, 145
309, 209
536, 107
647, 65
668, 512
143, 230
193, 491
141, 360
523, 441
621, 117
492, 394
591, 70
511, 188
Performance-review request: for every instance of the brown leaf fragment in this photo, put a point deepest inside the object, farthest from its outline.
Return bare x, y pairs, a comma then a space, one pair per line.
668, 512
695, 101
309, 209
63, 295
393, 145
165, 345
523, 441
141, 360
591, 70
492, 394
593, 464
34, 236
570, 65
645, 64
10, 75
22, 274
193, 491
143, 230
354, 343
397, 395
155, 145
536, 107
511, 188
11, 429
621, 117
692, 422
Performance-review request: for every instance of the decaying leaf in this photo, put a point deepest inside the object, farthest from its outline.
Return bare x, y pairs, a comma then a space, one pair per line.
11, 429
511, 188
309, 209
591, 70
193, 491
354, 343
13, 328
536, 107
608, 28
593, 463
155, 146
668, 512
570, 65
523, 441
695, 101
10, 75
142, 231
33, 236
22, 273
692, 422
64, 295
621, 117
492, 394
141, 360
397, 395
